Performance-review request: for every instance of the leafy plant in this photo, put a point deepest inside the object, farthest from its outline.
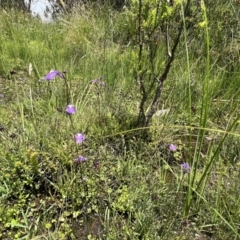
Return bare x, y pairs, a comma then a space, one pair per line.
156, 29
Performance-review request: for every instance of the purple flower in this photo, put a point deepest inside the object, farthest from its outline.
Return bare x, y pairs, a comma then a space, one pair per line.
79, 138
185, 167
70, 109
80, 159
95, 81
103, 84
53, 74
172, 147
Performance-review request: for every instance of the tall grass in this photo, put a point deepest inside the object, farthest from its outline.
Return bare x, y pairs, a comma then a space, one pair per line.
128, 188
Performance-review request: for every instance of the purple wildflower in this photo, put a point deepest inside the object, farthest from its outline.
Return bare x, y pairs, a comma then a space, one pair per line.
79, 138
80, 159
103, 84
185, 167
95, 81
172, 147
53, 74
70, 109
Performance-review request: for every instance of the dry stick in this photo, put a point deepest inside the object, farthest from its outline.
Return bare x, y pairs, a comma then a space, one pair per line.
141, 77
163, 77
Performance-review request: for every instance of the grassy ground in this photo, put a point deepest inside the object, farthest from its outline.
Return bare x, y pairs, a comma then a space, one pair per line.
127, 188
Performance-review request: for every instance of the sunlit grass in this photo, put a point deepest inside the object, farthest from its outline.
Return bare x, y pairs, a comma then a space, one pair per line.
127, 188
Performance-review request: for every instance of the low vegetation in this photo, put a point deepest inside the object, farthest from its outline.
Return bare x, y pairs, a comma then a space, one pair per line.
74, 163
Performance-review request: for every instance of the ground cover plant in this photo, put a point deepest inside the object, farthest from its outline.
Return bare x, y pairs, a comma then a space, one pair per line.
83, 152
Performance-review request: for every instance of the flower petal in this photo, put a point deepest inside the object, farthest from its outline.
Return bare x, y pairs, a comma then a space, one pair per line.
80, 159
79, 138
70, 109
172, 148
53, 74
